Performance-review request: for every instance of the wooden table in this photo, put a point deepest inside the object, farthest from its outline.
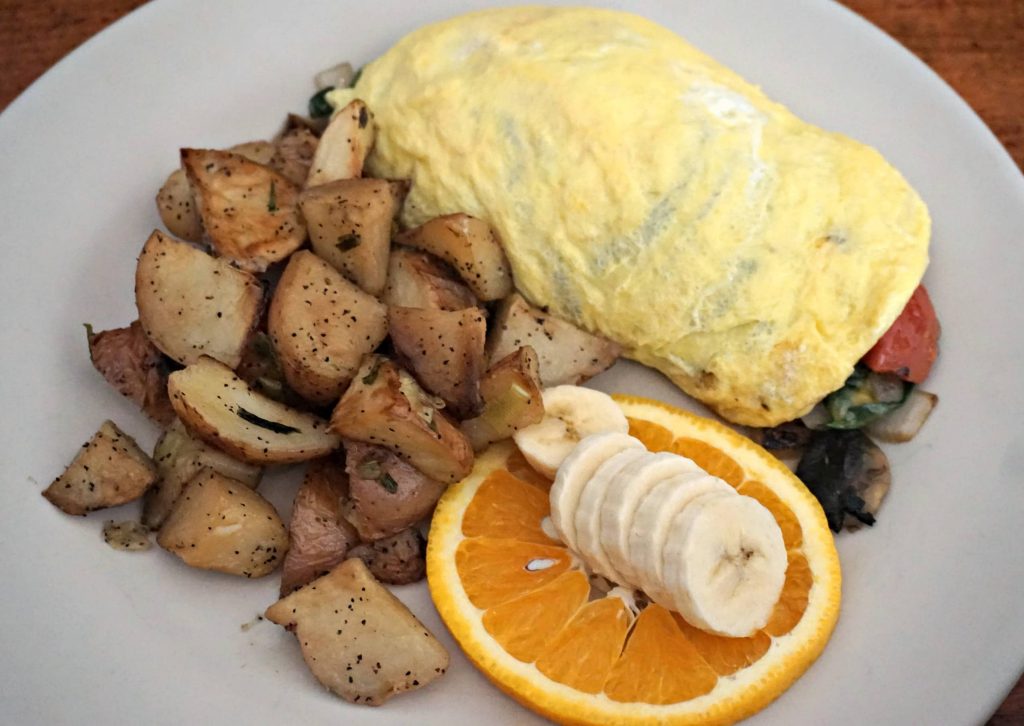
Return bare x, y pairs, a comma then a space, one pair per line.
976, 45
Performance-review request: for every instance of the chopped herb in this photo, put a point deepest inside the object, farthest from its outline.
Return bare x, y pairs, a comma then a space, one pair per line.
370, 377
89, 332
319, 107
364, 117
272, 201
277, 428
349, 241
388, 483
369, 469
865, 397
356, 77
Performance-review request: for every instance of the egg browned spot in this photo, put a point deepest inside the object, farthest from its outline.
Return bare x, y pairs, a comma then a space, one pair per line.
650, 194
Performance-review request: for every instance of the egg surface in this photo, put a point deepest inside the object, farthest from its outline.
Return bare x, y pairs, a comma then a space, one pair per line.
648, 193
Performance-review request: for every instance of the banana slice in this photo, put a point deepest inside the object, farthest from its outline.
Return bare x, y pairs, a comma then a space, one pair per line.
571, 413
624, 495
576, 471
587, 518
725, 563
650, 527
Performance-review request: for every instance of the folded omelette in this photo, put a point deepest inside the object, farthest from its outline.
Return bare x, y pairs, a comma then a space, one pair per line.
646, 192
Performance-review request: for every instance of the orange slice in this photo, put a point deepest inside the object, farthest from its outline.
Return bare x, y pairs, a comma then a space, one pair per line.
520, 604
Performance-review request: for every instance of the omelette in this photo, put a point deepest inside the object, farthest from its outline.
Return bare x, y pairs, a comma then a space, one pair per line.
648, 193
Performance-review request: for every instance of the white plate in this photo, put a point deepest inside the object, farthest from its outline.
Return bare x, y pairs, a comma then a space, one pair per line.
934, 595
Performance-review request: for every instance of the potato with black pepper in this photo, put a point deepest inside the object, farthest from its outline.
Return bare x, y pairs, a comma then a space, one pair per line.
110, 469
222, 410
418, 279
444, 349
179, 456
349, 223
512, 399
223, 525
321, 326
471, 247
343, 146
566, 353
250, 212
384, 405
191, 304
357, 638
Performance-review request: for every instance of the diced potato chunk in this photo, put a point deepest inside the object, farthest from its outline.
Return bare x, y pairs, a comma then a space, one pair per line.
344, 145
417, 279
220, 408
191, 304
444, 350
177, 207
129, 362
220, 524
110, 469
321, 326
385, 405
349, 223
179, 456
386, 494
396, 560
512, 399
566, 353
470, 246
250, 212
320, 536
357, 638
293, 154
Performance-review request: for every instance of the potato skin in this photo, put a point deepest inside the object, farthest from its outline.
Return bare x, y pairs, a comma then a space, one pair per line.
320, 536
135, 367
386, 493
396, 560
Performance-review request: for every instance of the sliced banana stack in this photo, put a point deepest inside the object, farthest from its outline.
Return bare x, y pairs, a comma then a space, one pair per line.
655, 522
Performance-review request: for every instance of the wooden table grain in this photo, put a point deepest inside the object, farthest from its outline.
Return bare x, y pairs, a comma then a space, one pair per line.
976, 45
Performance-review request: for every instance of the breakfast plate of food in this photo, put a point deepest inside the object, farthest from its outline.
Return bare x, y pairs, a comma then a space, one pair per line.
503, 363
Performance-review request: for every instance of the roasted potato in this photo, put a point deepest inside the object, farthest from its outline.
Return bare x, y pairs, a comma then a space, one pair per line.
321, 326
396, 560
385, 493
343, 146
176, 202
566, 353
384, 405
134, 366
110, 469
127, 536
179, 456
349, 223
222, 410
191, 304
320, 536
444, 350
177, 207
470, 246
293, 153
512, 399
357, 638
250, 212
221, 524
417, 279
